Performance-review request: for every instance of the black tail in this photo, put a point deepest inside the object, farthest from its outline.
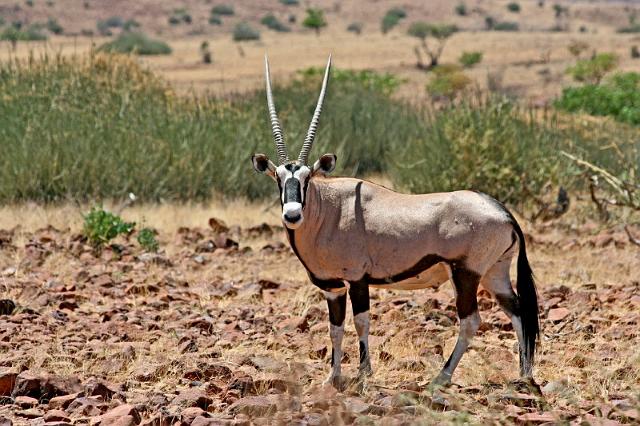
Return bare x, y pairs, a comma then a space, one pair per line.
528, 302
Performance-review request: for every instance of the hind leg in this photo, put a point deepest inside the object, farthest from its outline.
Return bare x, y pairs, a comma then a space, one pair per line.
466, 286
498, 283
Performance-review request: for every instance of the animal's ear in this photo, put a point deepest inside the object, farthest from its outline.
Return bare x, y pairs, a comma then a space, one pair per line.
262, 164
325, 164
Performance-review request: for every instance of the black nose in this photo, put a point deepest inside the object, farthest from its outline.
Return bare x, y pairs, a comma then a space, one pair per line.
292, 218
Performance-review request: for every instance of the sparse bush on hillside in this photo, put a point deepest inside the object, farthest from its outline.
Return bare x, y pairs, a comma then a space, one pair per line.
618, 97
2, 21
114, 22
223, 9
448, 81
439, 32
290, 2
384, 84
577, 47
14, 35
635, 52
180, 16
54, 26
245, 32
205, 52
130, 25
513, 7
461, 9
315, 20
631, 29
469, 59
506, 26
593, 70
273, 23
355, 27
138, 43
215, 20
392, 18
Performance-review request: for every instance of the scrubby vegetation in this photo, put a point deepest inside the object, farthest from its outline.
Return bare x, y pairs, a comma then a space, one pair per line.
16, 33
619, 97
439, 33
101, 226
223, 9
392, 18
270, 21
594, 69
315, 20
243, 31
469, 59
136, 42
102, 127
447, 81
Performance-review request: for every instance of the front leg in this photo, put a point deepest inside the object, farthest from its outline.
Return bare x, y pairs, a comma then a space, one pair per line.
359, 294
337, 302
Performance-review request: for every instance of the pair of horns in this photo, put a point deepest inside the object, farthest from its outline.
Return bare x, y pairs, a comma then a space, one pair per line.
281, 147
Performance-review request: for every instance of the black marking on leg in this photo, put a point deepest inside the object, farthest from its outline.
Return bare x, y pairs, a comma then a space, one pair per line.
466, 282
363, 352
359, 294
337, 309
333, 356
509, 303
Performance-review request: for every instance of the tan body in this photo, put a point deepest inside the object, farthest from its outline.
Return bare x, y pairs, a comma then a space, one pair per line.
356, 230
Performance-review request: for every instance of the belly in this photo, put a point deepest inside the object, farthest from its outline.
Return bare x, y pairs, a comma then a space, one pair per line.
429, 278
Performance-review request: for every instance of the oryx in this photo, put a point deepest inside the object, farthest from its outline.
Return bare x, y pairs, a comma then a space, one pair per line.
351, 234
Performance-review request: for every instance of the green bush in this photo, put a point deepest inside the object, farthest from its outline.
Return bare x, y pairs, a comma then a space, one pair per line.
215, 20
513, 7
101, 226
54, 26
447, 81
180, 16
271, 22
245, 32
223, 9
138, 43
619, 98
392, 18
290, 2
13, 34
423, 30
355, 27
130, 25
147, 240
593, 70
469, 59
505, 26
461, 9
631, 29
315, 20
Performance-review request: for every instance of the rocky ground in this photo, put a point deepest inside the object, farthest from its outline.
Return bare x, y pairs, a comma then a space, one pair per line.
221, 327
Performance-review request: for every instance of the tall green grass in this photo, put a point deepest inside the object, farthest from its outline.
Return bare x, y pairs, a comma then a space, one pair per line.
101, 127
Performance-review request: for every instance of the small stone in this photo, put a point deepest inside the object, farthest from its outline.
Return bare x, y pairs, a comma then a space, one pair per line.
5, 421
56, 416
7, 381
62, 402
123, 415
256, 406
191, 413
532, 418
193, 398
26, 402
31, 413
558, 314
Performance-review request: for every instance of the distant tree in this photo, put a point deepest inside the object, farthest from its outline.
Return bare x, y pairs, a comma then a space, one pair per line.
577, 47
205, 52
245, 32
315, 20
469, 59
54, 26
439, 32
513, 7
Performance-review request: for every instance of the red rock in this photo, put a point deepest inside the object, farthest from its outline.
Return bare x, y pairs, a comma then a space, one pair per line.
7, 381
558, 314
26, 402
256, 406
533, 418
98, 387
5, 421
191, 413
123, 415
31, 413
39, 386
193, 398
56, 416
62, 402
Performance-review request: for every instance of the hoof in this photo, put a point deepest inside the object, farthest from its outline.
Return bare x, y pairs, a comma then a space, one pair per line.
335, 381
365, 371
442, 380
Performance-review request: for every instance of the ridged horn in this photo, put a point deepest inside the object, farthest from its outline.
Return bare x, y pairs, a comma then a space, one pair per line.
278, 137
313, 127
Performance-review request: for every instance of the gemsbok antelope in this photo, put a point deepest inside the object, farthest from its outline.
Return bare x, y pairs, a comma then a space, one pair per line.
351, 234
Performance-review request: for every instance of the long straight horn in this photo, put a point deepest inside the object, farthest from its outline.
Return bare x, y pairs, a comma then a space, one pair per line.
275, 123
313, 127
